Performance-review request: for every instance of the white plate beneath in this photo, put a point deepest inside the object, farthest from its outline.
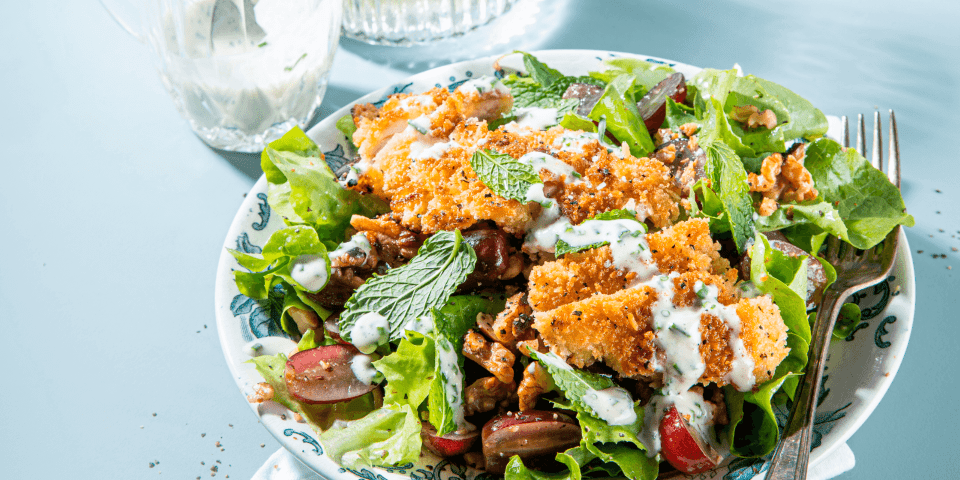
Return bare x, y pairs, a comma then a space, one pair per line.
869, 357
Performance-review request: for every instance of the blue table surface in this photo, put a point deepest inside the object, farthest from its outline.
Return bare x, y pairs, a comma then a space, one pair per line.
114, 217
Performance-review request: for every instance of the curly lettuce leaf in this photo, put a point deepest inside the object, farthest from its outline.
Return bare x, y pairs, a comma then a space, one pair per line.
386, 436
753, 429
274, 263
271, 368
304, 191
409, 370
413, 370
869, 204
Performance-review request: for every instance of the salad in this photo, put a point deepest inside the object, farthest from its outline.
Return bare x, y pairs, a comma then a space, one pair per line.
559, 276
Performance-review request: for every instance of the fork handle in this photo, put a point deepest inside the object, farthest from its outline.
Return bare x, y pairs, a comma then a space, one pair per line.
791, 458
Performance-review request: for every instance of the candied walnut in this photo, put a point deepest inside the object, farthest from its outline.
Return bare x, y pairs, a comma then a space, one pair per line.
783, 180
262, 392
535, 382
493, 356
689, 129
484, 394
513, 323
751, 116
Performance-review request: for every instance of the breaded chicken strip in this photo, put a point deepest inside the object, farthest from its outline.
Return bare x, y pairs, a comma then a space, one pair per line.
609, 179
442, 111
684, 247
617, 329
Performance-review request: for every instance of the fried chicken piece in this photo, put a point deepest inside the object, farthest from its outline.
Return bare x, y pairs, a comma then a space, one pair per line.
443, 111
427, 177
618, 330
683, 247
484, 394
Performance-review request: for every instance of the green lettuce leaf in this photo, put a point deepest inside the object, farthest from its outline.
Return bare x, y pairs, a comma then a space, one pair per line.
503, 174
647, 74
406, 293
678, 114
753, 429
868, 203
618, 107
271, 368
815, 213
304, 191
386, 436
276, 259
409, 370
412, 371
347, 126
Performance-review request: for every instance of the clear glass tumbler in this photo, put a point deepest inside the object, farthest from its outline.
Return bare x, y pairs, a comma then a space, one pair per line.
242, 72
409, 22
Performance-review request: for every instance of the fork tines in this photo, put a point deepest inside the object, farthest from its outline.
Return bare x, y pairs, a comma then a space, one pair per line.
876, 158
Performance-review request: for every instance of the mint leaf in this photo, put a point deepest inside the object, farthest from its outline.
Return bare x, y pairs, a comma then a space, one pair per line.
503, 174
584, 389
618, 214
728, 178
539, 71
407, 293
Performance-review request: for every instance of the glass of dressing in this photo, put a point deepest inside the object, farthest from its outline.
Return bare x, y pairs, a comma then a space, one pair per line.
413, 22
241, 72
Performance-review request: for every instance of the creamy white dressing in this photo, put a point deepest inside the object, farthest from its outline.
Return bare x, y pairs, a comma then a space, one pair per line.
484, 84
310, 271
422, 325
434, 151
574, 141
355, 171
535, 117
358, 241
542, 161
449, 361
420, 124
613, 405
363, 369
678, 338
370, 331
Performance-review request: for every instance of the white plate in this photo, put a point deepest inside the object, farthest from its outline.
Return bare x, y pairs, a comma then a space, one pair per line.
870, 357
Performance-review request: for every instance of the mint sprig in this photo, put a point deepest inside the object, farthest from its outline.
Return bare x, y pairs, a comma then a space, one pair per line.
409, 292
503, 174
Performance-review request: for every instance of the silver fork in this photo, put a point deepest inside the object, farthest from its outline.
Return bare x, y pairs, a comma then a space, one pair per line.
856, 270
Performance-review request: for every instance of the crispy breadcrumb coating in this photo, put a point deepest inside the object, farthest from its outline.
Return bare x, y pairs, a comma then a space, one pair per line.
586, 311
617, 330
